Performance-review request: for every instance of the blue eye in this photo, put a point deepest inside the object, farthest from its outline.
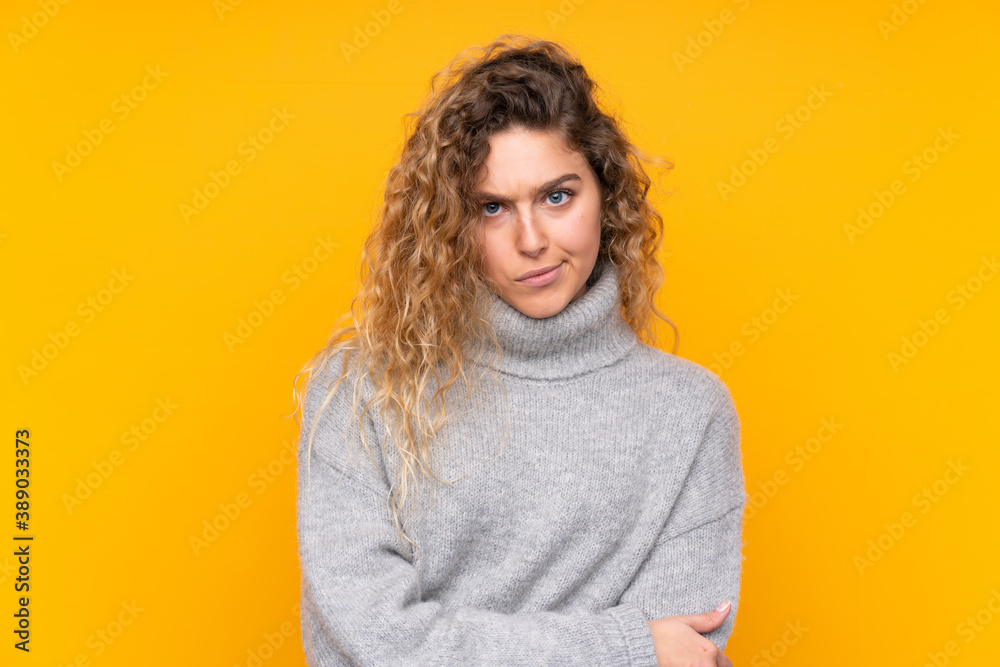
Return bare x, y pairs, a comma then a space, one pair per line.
563, 193
492, 203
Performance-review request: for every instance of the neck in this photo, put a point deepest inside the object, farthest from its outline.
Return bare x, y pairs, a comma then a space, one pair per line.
588, 334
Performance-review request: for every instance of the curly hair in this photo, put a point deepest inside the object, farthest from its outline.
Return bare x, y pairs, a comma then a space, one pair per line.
422, 285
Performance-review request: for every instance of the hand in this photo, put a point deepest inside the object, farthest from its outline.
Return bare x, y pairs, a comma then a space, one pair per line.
679, 644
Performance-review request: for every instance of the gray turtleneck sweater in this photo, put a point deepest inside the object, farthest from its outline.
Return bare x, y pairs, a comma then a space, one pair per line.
615, 498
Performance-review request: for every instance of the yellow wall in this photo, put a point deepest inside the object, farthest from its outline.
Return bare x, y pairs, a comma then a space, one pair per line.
128, 305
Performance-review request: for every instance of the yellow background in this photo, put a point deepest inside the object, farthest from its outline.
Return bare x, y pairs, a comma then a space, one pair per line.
162, 335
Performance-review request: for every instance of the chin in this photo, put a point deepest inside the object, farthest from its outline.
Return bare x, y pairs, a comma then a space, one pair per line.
539, 309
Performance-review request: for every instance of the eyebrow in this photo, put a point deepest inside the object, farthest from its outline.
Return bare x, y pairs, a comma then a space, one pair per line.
544, 187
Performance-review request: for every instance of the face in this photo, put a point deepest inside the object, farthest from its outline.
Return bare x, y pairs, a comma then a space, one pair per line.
540, 209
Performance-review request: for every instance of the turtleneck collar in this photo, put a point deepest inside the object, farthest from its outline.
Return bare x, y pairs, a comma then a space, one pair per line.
588, 334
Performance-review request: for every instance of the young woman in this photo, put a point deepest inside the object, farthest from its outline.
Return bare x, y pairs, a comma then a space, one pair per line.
587, 486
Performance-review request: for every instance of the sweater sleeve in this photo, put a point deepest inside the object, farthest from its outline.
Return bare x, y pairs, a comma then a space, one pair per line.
696, 562
361, 594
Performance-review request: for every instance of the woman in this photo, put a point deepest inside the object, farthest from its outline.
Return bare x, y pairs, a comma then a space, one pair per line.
588, 487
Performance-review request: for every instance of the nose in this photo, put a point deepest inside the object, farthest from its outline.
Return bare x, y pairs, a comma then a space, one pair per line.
531, 237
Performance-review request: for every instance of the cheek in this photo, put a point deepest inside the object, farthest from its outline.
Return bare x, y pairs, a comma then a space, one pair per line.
491, 249
587, 229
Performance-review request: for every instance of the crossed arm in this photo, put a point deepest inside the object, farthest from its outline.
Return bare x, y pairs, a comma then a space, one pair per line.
362, 602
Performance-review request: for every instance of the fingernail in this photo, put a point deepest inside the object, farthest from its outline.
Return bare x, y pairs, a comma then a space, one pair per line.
722, 607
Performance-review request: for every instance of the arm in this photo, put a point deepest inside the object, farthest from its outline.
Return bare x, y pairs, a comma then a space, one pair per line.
361, 595
697, 560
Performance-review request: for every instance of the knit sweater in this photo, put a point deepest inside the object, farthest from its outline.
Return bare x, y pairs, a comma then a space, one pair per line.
614, 497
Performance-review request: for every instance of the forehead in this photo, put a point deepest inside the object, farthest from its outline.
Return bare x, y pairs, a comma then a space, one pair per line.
519, 160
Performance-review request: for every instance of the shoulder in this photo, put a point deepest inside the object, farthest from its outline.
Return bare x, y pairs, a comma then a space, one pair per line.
695, 396
683, 380
333, 396
332, 375
336, 427
321, 380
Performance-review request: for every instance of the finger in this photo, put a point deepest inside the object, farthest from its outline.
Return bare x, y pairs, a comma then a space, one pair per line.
702, 622
708, 621
723, 661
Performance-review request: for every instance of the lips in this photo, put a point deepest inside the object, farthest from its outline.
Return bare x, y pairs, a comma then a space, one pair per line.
546, 277
537, 272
